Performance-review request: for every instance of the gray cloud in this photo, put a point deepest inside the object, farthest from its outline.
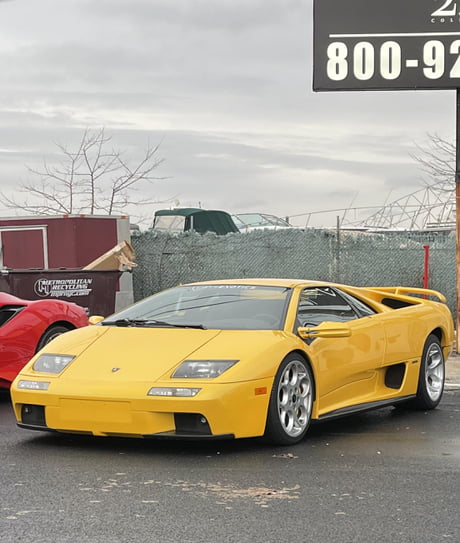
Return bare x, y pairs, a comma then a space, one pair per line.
225, 86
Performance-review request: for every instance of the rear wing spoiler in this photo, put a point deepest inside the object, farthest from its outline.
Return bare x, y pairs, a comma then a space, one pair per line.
401, 291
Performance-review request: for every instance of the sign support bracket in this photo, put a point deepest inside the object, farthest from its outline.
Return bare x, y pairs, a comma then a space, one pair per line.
457, 211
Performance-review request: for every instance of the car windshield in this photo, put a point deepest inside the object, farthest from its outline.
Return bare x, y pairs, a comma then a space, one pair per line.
217, 306
169, 223
260, 219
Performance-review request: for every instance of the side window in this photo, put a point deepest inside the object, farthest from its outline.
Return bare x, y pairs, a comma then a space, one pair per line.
363, 309
320, 304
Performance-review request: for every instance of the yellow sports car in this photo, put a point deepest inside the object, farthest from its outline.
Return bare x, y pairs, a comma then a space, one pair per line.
239, 358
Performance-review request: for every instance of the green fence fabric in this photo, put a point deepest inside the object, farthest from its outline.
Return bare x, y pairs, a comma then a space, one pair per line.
354, 258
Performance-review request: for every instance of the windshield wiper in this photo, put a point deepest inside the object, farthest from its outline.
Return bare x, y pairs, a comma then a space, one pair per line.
126, 322
150, 323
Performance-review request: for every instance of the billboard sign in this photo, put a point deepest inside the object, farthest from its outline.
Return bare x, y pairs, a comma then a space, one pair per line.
386, 44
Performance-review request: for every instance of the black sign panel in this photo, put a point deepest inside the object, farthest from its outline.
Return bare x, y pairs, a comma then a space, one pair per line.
386, 44
92, 289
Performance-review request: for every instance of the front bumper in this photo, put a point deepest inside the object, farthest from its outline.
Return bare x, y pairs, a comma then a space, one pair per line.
218, 411
162, 435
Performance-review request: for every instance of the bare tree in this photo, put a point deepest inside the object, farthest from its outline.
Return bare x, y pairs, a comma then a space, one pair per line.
437, 159
92, 178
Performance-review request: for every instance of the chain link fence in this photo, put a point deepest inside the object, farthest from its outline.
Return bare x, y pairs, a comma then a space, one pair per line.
355, 258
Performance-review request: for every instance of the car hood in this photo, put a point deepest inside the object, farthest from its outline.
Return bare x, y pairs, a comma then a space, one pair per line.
146, 354
137, 354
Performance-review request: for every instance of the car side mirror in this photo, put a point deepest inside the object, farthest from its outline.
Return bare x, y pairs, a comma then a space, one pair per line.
325, 329
95, 319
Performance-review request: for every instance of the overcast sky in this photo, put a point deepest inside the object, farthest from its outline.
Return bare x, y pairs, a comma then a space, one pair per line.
224, 85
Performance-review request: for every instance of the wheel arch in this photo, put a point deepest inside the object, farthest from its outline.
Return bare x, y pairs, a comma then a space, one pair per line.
63, 323
438, 332
445, 338
292, 399
432, 372
307, 360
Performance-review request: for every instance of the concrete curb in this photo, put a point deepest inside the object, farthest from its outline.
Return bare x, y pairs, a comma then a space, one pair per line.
453, 372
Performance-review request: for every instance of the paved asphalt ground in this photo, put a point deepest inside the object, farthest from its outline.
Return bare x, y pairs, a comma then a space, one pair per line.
384, 476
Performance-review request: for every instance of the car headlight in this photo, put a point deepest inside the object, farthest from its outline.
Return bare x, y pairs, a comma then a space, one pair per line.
52, 363
202, 369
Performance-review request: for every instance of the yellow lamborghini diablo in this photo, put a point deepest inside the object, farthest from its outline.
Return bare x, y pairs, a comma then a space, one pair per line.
240, 358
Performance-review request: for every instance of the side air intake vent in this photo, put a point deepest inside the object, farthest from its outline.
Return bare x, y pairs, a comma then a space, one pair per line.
395, 375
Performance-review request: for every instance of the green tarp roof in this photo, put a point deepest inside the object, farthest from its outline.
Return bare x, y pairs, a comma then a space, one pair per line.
203, 220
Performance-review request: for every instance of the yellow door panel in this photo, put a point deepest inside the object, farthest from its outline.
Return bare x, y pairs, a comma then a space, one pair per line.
346, 368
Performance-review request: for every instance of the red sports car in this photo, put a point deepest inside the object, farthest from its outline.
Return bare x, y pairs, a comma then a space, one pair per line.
26, 326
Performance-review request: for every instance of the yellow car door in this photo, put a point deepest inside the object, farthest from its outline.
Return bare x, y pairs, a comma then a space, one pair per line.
347, 359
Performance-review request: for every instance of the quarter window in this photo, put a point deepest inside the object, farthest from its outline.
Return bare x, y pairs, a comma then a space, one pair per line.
363, 309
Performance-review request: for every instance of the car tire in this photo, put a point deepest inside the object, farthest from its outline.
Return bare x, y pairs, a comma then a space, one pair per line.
291, 402
51, 333
432, 375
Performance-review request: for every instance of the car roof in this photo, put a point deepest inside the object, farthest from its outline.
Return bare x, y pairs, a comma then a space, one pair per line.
261, 219
273, 282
